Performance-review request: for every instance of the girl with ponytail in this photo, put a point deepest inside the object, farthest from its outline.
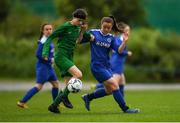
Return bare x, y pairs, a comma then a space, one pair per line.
101, 46
117, 60
44, 70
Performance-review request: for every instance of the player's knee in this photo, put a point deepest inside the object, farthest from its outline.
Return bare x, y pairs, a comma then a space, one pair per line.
55, 84
120, 82
39, 86
108, 88
108, 91
79, 75
114, 86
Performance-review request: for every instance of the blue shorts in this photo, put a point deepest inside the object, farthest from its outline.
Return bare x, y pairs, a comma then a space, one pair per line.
117, 68
101, 73
45, 73
117, 65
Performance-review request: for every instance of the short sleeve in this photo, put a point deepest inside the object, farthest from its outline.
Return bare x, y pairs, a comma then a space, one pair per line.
116, 42
86, 37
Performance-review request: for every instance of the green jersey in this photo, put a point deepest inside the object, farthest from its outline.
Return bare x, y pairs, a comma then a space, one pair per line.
67, 35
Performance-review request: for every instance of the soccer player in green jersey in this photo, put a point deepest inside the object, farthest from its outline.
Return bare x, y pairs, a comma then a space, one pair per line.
67, 35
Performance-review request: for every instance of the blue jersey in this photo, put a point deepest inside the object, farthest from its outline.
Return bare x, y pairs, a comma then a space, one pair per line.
101, 46
100, 49
44, 69
117, 60
39, 52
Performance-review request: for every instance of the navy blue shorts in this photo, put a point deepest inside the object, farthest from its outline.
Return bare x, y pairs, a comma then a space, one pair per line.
117, 68
101, 73
45, 73
117, 63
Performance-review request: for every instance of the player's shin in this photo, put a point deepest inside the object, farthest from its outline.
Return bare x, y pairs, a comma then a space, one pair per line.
121, 88
58, 99
98, 93
54, 93
119, 99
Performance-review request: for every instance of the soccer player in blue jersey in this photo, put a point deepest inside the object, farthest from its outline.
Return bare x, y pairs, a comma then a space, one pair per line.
100, 65
44, 69
118, 59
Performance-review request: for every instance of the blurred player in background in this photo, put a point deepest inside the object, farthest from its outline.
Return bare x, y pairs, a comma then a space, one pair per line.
44, 69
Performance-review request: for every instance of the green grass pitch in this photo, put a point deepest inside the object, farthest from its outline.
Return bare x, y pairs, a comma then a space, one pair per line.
154, 105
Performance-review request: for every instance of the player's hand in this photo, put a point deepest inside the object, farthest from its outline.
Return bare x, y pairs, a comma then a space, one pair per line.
84, 27
125, 37
52, 60
92, 38
45, 58
129, 53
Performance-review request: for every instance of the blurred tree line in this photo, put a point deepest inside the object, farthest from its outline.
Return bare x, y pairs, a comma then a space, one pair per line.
155, 53
129, 11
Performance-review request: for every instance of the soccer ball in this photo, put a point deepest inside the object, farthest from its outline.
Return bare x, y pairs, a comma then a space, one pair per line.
74, 85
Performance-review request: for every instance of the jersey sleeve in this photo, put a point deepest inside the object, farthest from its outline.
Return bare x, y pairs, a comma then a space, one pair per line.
39, 51
58, 32
116, 42
86, 37
125, 51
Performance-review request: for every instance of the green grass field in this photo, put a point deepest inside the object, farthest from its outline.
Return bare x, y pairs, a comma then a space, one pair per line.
155, 106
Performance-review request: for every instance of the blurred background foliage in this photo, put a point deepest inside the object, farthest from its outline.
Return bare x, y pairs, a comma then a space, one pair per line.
154, 39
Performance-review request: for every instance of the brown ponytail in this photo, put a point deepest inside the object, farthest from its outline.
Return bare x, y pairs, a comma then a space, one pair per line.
115, 27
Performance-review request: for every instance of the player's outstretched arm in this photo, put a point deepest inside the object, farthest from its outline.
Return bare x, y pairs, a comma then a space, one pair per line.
45, 52
123, 44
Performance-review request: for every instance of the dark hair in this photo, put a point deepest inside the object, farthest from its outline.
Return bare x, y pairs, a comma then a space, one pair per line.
115, 27
122, 26
42, 28
107, 19
80, 13
112, 20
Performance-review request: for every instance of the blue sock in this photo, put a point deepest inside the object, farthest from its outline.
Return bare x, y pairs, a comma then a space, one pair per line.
29, 94
98, 93
99, 85
54, 93
119, 99
121, 88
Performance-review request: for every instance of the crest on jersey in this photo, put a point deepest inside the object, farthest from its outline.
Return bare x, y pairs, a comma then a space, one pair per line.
109, 40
